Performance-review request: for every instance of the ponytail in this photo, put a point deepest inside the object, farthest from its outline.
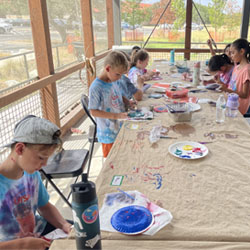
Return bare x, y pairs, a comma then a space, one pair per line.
217, 61
138, 54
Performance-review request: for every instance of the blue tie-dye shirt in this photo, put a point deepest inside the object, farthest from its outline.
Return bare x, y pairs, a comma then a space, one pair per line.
19, 202
127, 87
106, 97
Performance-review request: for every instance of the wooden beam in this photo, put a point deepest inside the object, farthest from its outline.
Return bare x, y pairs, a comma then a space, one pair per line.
87, 25
44, 59
39, 84
110, 23
188, 29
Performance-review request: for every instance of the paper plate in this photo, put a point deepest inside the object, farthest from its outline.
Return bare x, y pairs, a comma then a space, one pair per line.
188, 150
132, 220
161, 109
194, 107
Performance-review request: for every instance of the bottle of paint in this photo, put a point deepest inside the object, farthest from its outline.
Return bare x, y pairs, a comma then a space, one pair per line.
232, 105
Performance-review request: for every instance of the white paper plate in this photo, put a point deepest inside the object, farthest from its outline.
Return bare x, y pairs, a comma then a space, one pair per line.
194, 107
188, 150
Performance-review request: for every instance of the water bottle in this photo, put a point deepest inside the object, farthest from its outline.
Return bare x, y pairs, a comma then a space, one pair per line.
232, 105
196, 74
172, 57
86, 215
220, 109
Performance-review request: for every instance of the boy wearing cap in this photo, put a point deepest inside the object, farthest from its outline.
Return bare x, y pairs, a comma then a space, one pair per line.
22, 192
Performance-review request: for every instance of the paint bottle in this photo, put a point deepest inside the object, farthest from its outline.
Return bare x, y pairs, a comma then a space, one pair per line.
172, 57
232, 105
196, 74
86, 215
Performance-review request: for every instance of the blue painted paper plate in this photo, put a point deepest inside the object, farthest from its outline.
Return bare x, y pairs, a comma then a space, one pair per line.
132, 220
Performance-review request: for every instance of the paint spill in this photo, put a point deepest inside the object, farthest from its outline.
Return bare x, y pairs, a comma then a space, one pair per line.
183, 129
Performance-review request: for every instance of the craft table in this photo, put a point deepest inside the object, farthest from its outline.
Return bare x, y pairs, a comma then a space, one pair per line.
209, 198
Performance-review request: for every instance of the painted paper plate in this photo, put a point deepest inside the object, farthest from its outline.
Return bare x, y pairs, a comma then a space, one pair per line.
132, 220
188, 150
194, 107
161, 109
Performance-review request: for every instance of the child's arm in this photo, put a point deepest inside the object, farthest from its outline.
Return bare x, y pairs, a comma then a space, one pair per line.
108, 115
148, 75
129, 103
209, 43
53, 216
242, 94
138, 94
25, 243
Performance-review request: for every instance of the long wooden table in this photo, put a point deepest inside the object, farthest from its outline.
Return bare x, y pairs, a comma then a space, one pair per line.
209, 198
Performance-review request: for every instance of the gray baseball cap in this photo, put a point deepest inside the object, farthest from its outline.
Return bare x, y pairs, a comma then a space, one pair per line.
35, 130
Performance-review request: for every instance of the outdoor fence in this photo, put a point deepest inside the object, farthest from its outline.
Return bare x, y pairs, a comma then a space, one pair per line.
69, 87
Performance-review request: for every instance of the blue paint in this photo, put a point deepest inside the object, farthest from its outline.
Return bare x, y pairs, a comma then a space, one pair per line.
185, 156
159, 181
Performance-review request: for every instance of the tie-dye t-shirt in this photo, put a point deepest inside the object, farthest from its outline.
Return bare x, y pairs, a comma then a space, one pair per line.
19, 202
133, 74
127, 87
106, 97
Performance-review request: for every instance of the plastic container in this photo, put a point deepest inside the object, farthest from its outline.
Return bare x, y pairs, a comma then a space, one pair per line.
86, 215
232, 105
177, 92
180, 112
220, 109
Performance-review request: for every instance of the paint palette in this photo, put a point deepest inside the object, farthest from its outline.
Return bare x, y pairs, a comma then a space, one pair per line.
188, 150
132, 220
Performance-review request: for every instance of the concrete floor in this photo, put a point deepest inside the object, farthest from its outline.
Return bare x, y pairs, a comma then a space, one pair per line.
76, 141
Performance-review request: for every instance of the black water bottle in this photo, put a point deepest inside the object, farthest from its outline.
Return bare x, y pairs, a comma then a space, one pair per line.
86, 215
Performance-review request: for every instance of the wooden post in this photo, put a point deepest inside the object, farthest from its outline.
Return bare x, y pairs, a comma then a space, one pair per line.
110, 23
89, 47
188, 28
44, 59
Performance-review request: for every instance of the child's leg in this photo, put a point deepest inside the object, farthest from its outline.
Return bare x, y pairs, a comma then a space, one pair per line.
106, 148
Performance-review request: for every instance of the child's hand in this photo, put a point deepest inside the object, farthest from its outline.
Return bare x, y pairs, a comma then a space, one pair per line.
140, 81
132, 104
223, 87
151, 73
34, 243
67, 227
209, 42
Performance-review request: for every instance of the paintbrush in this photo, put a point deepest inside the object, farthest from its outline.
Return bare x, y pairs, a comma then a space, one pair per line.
130, 196
167, 137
